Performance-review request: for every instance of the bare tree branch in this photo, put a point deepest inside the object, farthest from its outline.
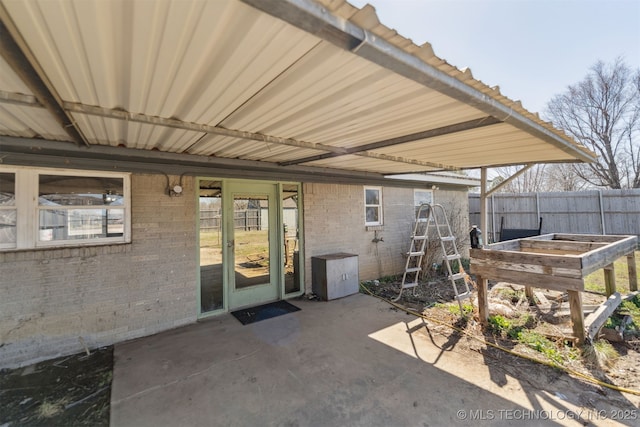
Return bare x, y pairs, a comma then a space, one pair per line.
602, 112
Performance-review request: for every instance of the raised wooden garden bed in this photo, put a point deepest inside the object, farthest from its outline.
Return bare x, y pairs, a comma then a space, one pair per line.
554, 261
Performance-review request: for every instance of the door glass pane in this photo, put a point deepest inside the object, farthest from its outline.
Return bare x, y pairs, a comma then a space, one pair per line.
251, 240
211, 291
291, 230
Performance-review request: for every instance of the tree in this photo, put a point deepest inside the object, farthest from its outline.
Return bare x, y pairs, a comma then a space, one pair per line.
602, 112
531, 181
562, 177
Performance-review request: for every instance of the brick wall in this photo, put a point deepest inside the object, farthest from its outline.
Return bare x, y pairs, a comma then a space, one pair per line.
334, 222
54, 300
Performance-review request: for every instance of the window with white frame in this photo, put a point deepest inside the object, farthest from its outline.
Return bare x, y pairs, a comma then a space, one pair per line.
421, 197
8, 211
373, 205
51, 207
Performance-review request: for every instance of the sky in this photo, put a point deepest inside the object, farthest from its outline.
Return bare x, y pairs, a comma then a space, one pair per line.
531, 49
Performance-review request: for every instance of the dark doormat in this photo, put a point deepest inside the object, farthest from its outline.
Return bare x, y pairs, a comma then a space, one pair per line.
262, 312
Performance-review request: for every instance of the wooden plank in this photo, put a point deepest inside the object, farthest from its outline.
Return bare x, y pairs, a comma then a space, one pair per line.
577, 316
483, 301
529, 268
599, 258
543, 302
552, 251
589, 237
610, 280
530, 279
633, 273
560, 261
595, 320
509, 245
560, 245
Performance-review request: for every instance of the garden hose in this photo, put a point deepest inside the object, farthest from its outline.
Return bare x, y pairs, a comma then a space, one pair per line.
513, 353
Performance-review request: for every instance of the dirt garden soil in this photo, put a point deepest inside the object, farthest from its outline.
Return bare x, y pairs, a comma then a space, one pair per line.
67, 391
549, 323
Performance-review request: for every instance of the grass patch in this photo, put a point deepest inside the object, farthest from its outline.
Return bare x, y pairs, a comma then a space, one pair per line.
541, 344
511, 295
600, 353
454, 308
595, 281
629, 308
511, 328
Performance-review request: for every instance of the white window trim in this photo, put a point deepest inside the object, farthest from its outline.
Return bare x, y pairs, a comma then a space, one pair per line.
380, 206
28, 208
14, 207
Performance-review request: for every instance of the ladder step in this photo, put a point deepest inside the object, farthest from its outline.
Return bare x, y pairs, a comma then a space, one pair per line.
448, 239
419, 237
420, 253
413, 269
463, 296
453, 257
457, 276
409, 285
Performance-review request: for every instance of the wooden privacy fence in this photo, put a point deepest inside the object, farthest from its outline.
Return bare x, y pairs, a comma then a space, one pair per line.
243, 219
578, 212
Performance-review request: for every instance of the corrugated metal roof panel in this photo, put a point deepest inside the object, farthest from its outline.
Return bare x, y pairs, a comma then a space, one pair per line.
9, 80
29, 122
224, 63
197, 61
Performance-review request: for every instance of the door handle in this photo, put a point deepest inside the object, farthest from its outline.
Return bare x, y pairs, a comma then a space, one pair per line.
231, 243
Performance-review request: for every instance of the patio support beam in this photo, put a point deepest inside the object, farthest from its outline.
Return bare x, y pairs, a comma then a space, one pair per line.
43, 153
483, 205
19, 99
511, 178
431, 133
240, 134
11, 51
317, 20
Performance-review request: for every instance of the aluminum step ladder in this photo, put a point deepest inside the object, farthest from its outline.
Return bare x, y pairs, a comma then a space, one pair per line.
434, 216
417, 250
450, 253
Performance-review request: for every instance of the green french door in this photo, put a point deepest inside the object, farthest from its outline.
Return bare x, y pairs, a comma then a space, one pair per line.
252, 243
249, 248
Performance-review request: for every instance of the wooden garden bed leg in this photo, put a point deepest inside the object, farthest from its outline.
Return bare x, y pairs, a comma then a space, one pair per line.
577, 316
610, 280
633, 273
528, 291
483, 301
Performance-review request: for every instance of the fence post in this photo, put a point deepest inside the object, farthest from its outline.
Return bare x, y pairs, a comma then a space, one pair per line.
493, 221
604, 231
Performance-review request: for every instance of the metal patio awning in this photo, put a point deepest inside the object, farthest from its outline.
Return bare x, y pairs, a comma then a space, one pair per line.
282, 83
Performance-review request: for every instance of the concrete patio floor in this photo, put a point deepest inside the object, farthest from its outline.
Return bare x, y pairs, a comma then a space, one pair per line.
347, 362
